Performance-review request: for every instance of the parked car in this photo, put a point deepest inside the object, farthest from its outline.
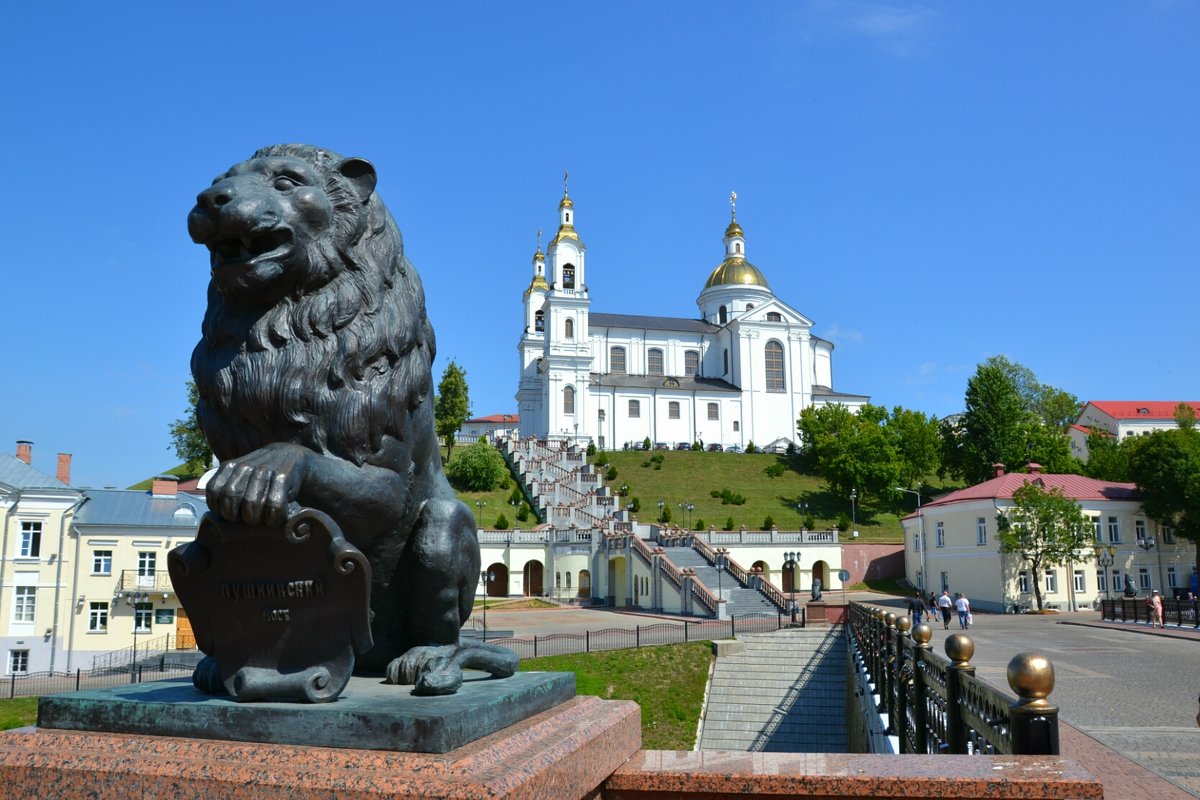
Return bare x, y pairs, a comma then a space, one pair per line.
683, 446
661, 446
734, 448
714, 448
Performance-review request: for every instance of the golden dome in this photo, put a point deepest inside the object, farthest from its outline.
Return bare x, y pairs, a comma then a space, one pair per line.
537, 284
736, 271
565, 231
734, 229
566, 202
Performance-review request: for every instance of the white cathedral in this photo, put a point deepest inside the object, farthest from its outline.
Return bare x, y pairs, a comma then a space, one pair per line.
740, 372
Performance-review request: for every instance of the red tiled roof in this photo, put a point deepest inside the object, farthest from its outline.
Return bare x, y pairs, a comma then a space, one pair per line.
497, 418
1132, 409
1074, 486
1088, 431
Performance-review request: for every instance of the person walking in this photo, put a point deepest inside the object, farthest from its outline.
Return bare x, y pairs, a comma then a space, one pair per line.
1155, 603
963, 607
916, 607
944, 605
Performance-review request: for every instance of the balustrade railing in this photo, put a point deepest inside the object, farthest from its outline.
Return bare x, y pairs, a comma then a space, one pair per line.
936, 705
1181, 613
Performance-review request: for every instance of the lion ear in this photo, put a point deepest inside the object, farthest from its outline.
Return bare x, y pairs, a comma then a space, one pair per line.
361, 173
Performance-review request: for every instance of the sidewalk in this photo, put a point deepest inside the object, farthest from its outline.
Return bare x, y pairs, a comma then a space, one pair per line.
1171, 631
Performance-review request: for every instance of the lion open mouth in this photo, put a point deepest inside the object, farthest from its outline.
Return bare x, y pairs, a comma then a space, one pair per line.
238, 250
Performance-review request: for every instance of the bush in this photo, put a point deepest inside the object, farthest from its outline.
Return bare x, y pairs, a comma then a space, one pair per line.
502, 523
843, 522
523, 512
591, 448
728, 525
611, 473
750, 448
715, 493
700, 525
768, 523
635, 505
515, 496
658, 464
697, 447
646, 443
477, 468
646, 463
810, 522
601, 458
665, 516
731, 498
774, 470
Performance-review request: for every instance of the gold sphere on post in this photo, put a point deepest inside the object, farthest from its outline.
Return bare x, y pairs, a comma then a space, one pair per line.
1031, 676
890, 619
922, 634
903, 624
960, 648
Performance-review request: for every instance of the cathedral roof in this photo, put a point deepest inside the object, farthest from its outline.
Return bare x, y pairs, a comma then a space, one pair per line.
597, 320
736, 271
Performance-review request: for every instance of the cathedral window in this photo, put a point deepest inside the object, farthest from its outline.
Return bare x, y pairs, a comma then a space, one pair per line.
600, 415
616, 360
722, 315
713, 413
569, 400
635, 409
654, 361
774, 316
568, 276
726, 354
737, 247
774, 364
539, 321
735, 426
673, 409
569, 328
691, 362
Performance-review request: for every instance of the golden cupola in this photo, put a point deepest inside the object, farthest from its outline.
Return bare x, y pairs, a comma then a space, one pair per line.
735, 270
538, 284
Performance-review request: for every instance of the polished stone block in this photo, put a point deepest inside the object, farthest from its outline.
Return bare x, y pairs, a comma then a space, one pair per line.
368, 715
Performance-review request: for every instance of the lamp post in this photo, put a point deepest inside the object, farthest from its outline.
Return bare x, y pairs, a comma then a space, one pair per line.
479, 504
685, 510
924, 544
721, 563
133, 600
661, 503
1147, 544
624, 490
792, 559
853, 513
802, 509
486, 576
1106, 557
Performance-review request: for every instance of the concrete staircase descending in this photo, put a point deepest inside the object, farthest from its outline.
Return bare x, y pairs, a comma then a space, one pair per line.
781, 692
738, 599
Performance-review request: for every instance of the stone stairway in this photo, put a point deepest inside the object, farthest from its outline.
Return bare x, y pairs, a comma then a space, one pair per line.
738, 599
781, 692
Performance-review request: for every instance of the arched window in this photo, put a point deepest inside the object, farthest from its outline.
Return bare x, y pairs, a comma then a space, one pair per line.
737, 247
569, 400
654, 361
749, 306
673, 409
539, 321
726, 359
722, 315
713, 413
635, 409
774, 316
569, 328
568, 276
616, 360
691, 362
774, 364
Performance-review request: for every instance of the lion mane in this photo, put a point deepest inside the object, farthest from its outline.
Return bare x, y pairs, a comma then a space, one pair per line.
341, 360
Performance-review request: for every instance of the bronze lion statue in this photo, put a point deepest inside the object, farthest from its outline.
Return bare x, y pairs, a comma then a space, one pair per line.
315, 391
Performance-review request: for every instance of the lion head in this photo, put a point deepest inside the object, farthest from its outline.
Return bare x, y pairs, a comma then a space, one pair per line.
316, 330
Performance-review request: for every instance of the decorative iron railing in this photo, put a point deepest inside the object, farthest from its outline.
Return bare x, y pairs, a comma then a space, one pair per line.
1181, 613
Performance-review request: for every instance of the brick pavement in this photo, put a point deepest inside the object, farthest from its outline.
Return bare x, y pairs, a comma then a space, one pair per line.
1123, 778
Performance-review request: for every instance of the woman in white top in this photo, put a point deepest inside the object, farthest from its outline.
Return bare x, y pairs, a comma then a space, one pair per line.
964, 611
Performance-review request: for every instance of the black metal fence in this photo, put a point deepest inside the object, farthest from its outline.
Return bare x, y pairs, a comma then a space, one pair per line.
560, 644
1182, 613
937, 705
35, 684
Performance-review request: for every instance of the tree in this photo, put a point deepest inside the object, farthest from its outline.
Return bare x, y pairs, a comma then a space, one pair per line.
1166, 468
1108, 458
478, 468
453, 405
1054, 407
1045, 528
917, 443
850, 451
187, 439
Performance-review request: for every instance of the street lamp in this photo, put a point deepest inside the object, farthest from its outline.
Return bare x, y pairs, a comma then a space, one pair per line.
479, 504
924, 544
1105, 557
624, 491
853, 514
133, 600
486, 576
721, 562
689, 508
661, 503
793, 559
1147, 544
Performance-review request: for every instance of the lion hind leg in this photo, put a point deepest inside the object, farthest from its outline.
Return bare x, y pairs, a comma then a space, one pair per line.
438, 670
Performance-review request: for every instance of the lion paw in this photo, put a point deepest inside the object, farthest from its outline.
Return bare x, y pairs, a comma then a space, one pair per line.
437, 669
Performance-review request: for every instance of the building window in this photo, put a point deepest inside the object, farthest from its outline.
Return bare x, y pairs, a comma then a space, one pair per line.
774, 365
616, 360
102, 562
569, 400
736, 426
1023, 582
1101, 582
1144, 577
539, 321
940, 536
722, 315
713, 413
1080, 581
1139, 529
654, 361
673, 410
98, 617
1116, 573
31, 539
945, 581
774, 316
568, 580
1114, 531
18, 662
600, 415
920, 579
635, 409
569, 328
142, 615
980, 530
24, 603
1096, 528
1172, 578
691, 362
1051, 582
568, 274
917, 541
1168, 534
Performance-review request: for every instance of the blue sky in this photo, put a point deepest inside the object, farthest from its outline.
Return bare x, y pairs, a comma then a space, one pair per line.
931, 183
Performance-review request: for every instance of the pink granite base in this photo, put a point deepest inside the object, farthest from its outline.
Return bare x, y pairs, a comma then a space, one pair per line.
661, 774
565, 752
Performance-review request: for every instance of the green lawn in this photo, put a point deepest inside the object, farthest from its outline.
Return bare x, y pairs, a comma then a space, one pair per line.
688, 477
18, 712
666, 681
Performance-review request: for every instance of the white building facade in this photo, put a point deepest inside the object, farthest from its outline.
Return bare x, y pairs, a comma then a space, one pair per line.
739, 372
